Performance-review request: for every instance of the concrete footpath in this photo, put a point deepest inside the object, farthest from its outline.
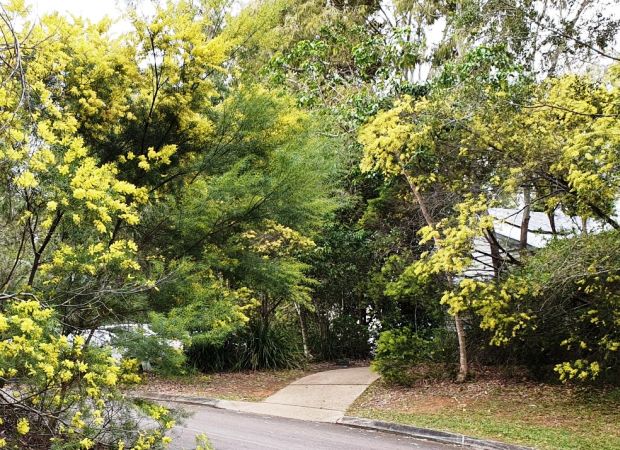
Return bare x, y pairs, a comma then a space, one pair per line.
320, 397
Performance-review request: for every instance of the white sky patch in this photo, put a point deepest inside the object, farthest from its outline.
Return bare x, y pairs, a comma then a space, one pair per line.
95, 10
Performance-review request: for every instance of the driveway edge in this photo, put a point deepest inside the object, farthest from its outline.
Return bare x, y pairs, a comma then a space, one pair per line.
428, 434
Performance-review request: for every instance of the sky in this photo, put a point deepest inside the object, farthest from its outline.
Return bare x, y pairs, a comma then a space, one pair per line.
93, 9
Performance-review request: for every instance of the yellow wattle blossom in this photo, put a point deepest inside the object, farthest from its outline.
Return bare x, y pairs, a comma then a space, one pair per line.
144, 165
23, 426
28, 326
26, 180
86, 443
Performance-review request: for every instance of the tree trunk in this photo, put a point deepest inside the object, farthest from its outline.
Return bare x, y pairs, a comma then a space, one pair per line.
304, 334
496, 257
525, 221
39, 252
458, 320
551, 217
463, 363
584, 225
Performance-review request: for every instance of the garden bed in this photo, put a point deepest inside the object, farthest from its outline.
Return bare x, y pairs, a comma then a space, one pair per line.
508, 409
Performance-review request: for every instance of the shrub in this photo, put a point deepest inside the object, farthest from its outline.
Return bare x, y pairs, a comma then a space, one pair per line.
156, 346
274, 347
153, 351
56, 393
560, 318
255, 347
400, 350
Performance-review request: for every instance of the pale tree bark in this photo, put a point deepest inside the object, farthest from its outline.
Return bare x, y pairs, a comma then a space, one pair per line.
304, 333
525, 221
458, 320
584, 225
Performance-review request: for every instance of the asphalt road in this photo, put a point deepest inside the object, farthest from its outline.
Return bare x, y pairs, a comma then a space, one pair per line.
231, 430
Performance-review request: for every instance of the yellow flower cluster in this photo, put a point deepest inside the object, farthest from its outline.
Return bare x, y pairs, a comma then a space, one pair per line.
579, 369
55, 370
93, 259
453, 238
277, 240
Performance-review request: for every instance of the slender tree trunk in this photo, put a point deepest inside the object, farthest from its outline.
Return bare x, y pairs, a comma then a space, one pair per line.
304, 334
458, 320
39, 252
496, 257
551, 217
525, 221
584, 225
463, 363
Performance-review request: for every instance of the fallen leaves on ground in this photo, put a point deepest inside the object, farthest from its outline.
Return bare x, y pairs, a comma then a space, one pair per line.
516, 406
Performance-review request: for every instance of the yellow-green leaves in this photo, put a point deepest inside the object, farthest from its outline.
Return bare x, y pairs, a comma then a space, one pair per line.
59, 378
275, 240
396, 142
557, 139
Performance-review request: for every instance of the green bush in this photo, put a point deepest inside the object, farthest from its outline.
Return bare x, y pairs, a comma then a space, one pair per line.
562, 318
153, 352
255, 347
153, 348
273, 347
399, 351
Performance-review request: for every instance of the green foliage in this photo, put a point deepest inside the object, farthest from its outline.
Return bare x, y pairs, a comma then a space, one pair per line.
252, 348
401, 353
199, 307
134, 168
158, 347
345, 338
274, 347
298, 161
572, 310
512, 134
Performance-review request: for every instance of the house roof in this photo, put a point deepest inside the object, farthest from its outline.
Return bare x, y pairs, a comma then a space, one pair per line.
507, 226
508, 223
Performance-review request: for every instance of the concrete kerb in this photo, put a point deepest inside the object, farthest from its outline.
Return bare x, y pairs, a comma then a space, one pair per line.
189, 400
428, 434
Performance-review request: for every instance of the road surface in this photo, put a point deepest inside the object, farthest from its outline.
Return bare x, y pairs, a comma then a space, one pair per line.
232, 430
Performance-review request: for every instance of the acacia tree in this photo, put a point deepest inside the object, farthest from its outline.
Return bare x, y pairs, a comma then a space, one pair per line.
489, 136
396, 148
55, 391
